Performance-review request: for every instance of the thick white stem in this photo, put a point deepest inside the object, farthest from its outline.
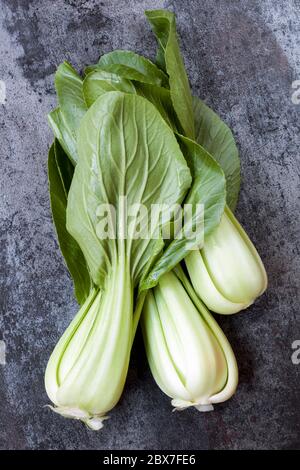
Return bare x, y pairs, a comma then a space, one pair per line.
88, 383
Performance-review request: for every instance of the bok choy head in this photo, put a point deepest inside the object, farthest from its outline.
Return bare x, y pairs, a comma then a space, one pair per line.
227, 273
190, 358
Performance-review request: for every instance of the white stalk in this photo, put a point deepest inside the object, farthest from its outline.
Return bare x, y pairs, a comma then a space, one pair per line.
227, 274
86, 372
189, 356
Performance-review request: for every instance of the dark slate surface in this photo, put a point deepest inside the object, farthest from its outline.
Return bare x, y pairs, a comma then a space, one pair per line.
242, 57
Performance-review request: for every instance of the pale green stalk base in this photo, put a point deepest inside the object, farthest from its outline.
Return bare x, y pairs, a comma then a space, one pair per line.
232, 368
95, 423
86, 372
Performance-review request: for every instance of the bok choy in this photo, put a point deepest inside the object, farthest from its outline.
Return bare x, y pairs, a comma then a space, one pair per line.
190, 357
125, 150
227, 273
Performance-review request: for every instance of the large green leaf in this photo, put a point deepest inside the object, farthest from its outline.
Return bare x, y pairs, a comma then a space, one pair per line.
98, 82
125, 149
216, 137
60, 173
136, 62
209, 189
164, 26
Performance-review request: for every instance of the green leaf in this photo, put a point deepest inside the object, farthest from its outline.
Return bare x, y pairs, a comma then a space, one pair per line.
124, 71
60, 173
125, 149
160, 97
63, 134
164, 27
66, 119
216, 137
136, 62
98, 82
209, 189
65, 170
209, 183
68, 85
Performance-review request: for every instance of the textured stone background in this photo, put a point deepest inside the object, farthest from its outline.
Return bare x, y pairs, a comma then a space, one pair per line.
242, 57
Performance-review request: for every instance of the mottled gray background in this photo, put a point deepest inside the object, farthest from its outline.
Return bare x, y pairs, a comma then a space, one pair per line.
242, 57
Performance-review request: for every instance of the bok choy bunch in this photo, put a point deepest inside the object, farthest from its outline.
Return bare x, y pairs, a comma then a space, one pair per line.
130, 134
